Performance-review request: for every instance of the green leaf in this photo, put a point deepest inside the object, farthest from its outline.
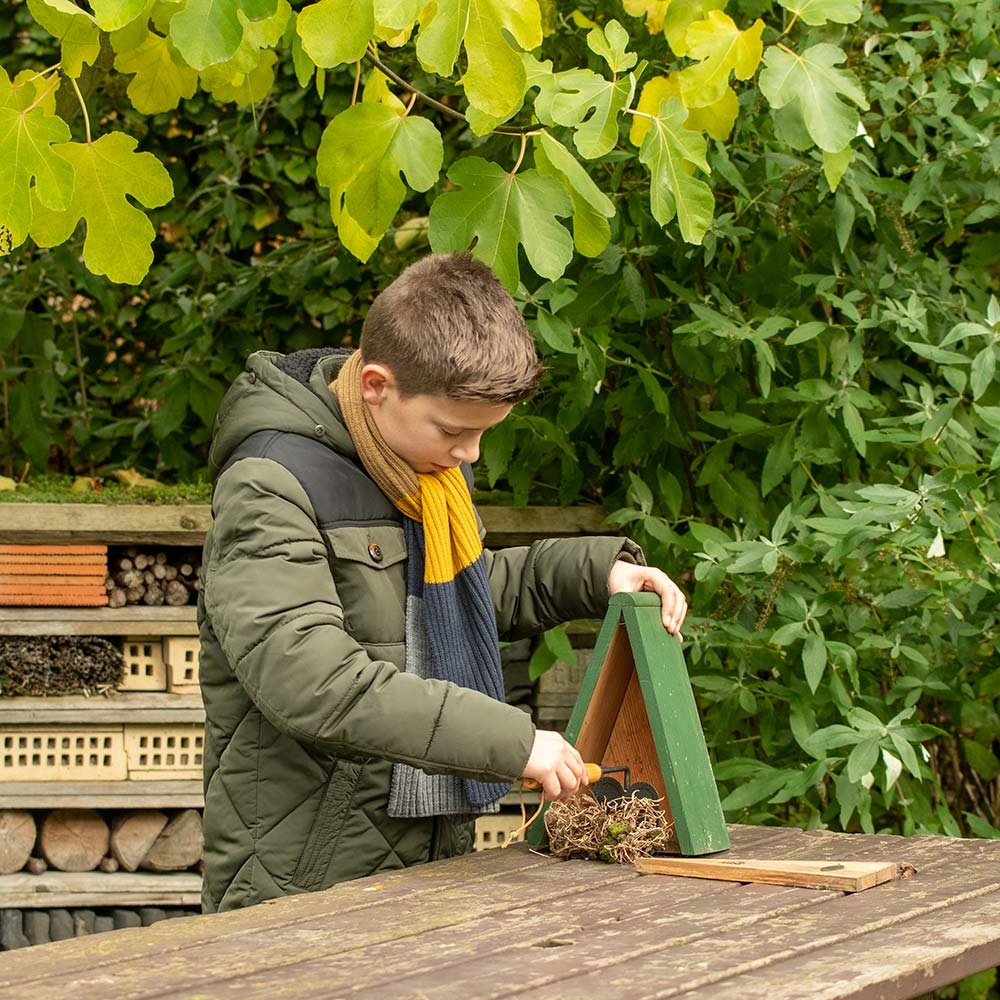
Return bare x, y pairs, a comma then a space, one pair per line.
817, 12
497, 212
611, 44
336, 31
804, 332
778, 461
555, 646
981, 759
108, 172
984, 368
814, 660
855, 426
811, 80
679, 17
78, 33
206, 32
591, 207
555, 331
580, 93
722, 49
667, 149
495, 79
834, 167
159, 82
249, 88
111, 15
862, 759
361, 156
26, 151
498, 449
763, 786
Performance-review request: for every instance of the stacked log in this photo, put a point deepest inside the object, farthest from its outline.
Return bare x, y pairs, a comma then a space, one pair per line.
82, 840
154, 578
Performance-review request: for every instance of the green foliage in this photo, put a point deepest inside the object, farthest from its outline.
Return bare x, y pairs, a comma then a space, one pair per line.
798, 414
521, 73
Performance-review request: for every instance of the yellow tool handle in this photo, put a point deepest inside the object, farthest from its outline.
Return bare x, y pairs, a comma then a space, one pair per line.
594, 772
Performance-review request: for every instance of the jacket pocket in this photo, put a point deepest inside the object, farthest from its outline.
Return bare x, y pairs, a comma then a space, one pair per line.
321, 844
369, 569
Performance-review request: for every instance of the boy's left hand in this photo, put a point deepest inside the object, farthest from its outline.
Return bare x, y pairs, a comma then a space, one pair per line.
626, 577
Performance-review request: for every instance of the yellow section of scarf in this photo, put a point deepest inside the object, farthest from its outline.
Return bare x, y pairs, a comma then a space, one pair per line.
440, 500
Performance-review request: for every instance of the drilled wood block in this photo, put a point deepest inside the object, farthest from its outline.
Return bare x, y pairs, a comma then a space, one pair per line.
144, 666
62, 754
156, 753
180, 654
495, 830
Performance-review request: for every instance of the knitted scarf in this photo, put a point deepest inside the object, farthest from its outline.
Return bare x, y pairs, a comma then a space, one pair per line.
451, 630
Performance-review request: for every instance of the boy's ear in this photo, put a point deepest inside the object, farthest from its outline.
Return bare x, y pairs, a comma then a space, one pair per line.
375, 379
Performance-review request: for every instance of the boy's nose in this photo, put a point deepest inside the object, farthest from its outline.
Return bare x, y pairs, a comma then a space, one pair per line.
466, 452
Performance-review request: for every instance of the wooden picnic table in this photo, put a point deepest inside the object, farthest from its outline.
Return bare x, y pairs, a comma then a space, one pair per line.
515, 923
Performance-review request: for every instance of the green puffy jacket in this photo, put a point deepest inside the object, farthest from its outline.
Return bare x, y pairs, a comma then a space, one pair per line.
301, 615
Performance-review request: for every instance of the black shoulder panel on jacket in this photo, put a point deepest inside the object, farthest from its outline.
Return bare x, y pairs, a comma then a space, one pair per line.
340, 491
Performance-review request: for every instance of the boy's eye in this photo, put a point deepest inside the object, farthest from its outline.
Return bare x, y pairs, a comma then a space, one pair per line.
448, 434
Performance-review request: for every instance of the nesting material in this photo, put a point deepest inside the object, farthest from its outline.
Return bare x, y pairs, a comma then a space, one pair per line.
617, 831
52, 664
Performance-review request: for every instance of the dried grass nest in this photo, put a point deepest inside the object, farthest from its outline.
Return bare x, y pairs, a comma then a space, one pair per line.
617, 831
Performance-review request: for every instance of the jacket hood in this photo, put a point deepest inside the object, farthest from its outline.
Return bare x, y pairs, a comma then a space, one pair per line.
282, 392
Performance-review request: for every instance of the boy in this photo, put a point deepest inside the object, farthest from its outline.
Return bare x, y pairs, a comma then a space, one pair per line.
348, 614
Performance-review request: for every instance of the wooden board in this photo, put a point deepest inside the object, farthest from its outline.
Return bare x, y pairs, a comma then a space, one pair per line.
57, 889
102, 794
129, 621
145, 707
186, 524
846, 876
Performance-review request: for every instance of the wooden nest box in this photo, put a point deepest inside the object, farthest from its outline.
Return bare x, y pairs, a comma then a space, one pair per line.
636, 709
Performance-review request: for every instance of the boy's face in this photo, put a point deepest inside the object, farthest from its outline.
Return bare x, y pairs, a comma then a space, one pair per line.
429, 433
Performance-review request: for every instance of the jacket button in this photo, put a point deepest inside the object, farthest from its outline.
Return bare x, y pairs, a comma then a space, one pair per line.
375, 552
252, 377
319, 430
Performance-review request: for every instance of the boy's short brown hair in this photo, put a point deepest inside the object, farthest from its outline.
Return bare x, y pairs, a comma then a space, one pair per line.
446, 326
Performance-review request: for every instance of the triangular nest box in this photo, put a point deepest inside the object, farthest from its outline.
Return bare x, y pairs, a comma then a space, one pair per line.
636, 709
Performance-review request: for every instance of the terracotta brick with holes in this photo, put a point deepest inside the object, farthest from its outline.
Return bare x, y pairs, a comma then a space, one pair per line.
165, 752
56, 754
180, 654
144, 666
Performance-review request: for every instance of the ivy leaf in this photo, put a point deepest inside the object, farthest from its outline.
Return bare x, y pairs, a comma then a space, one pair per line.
360, 158
722, 49
159, 82
118, 234
667, 150
811, 80
336, 31
111, 15
591, 207
78, 34
611, 44
834, 167
817, 12
497, 212
580, 92
716, 119
207, 32
27, 139
495, 78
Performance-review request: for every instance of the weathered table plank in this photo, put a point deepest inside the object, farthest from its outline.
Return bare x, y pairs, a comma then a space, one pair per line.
511, 923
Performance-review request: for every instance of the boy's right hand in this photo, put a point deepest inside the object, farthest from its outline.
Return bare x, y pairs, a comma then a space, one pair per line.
555, 765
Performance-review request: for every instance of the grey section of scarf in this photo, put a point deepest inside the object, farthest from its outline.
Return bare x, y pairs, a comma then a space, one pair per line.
413, 793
